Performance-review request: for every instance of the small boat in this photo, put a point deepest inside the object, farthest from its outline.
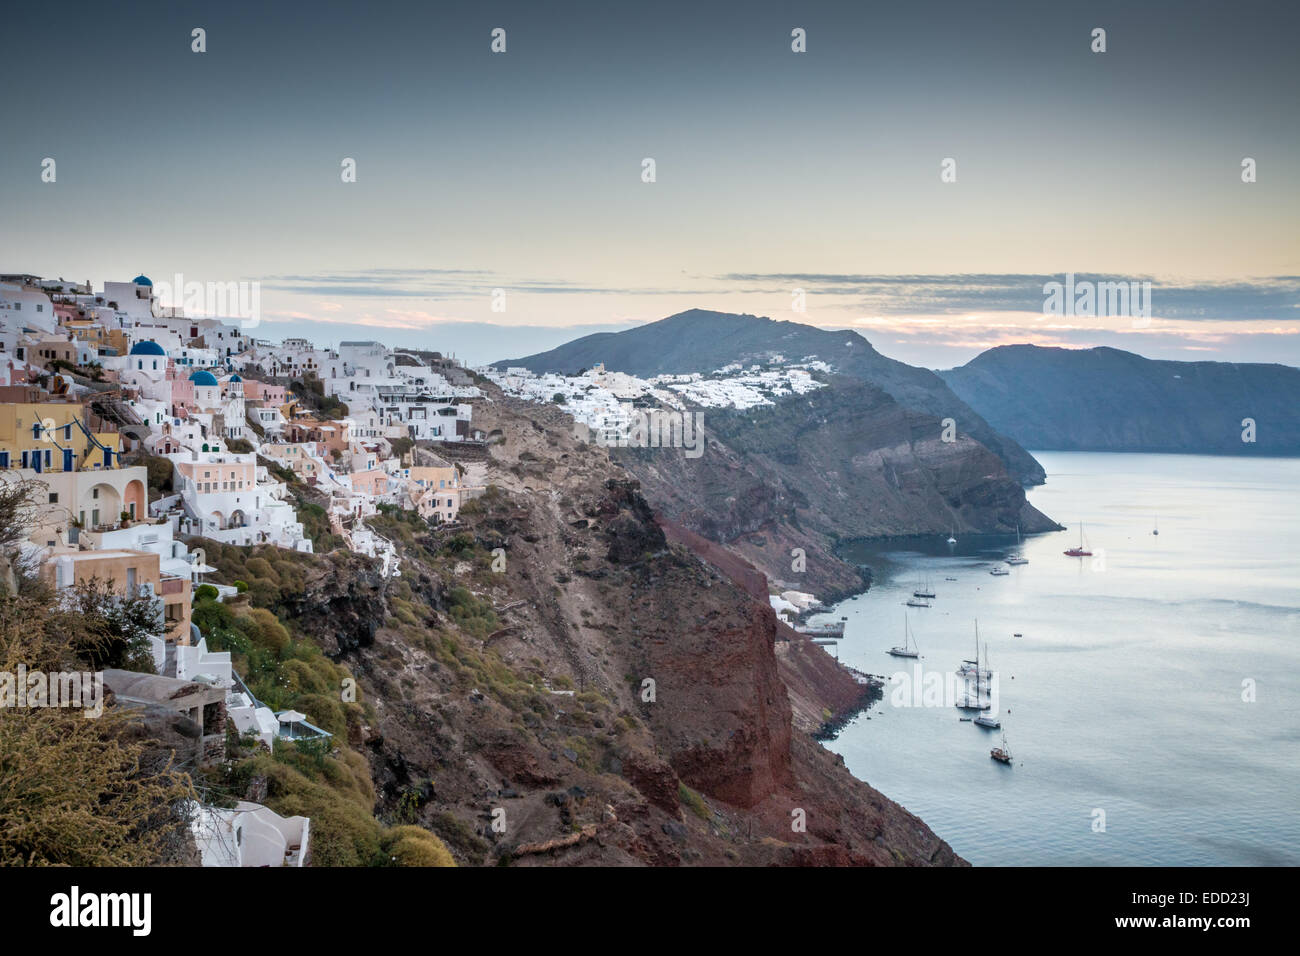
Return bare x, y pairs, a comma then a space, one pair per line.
1016, 556
909, 648
989, 721
1080, 551
950, 579
1156, 529
1017, 634
1001, 754
998, 572
917, 602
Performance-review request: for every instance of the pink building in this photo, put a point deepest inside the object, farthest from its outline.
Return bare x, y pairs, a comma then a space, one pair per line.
219, 475
182, 388
373, 482
264, 393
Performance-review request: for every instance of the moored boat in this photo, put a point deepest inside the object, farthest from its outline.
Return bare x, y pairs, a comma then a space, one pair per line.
1080, 551
909, 648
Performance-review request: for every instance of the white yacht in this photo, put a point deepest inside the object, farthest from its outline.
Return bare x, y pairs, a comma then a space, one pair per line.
909, 647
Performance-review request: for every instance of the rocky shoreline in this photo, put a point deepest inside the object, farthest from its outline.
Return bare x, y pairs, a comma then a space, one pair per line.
873, 689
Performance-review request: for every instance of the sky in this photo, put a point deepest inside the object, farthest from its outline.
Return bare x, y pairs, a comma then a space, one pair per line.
775, 171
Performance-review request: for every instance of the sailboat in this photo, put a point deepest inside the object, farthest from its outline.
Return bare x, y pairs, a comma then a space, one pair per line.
973, 668
977, 702
1016, 556
909, 648
951, 539
1002, 754
924, 592
1080, 551
1156, 529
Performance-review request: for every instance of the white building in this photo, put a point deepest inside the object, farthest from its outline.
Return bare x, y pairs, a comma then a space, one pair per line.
249, 835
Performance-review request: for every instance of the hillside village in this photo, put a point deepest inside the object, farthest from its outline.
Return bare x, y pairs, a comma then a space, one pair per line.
144, 429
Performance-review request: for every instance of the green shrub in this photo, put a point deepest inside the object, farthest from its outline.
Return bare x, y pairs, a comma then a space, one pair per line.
413, 846
694, 801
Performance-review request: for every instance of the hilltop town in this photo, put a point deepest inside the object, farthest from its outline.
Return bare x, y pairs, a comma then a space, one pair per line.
144, 430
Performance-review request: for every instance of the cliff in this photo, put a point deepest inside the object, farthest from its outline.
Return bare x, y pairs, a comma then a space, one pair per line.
846, 461
557, 665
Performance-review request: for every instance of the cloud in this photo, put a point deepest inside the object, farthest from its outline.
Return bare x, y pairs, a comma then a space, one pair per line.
1273, 297
447, 284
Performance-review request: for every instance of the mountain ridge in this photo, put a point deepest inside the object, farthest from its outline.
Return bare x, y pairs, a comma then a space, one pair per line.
1107, 399
701, 340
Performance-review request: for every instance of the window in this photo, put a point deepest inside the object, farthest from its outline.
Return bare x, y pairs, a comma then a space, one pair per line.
54, 497
94, 492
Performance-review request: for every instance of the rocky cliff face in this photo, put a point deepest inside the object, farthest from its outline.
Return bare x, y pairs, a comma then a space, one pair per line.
1105, 399
605, 695
847, 461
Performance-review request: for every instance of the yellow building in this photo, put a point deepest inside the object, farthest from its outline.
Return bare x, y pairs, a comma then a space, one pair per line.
435, 477
81, 470
441, 497
52, 437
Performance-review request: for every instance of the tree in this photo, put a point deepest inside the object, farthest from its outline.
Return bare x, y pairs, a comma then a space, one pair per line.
19, 504
108, 629
73, 791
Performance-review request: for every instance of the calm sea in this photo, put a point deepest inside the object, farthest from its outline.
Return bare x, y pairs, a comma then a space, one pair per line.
1124, 699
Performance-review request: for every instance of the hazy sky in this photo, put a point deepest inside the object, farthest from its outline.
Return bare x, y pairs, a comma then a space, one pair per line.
774, 170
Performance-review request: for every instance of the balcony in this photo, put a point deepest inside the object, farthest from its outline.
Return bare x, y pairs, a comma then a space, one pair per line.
171, 584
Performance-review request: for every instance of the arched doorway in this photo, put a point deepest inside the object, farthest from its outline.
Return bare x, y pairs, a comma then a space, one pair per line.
134, 502
103, 506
